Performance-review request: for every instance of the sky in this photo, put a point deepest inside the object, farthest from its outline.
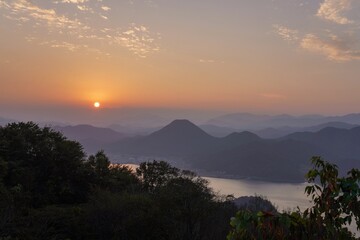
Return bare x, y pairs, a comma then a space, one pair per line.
57, 57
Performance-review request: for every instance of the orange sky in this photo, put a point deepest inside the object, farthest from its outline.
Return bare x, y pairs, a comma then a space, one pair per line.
256, 56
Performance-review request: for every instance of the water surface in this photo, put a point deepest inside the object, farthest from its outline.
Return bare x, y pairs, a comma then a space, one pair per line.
284, 195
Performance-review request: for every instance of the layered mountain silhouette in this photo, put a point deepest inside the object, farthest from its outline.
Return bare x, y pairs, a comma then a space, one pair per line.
279, 153
180, 138
283, 131
342, 146
92, 138
245, 154
258, 122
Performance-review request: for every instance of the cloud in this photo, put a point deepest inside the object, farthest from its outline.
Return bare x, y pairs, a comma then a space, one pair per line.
138, 39
74, 1
207, 61
332, 10
81, 34
84, 8
103, 17
333, 47
69, 46
105, 8
25, 10
4, 4
330, 45
286, 34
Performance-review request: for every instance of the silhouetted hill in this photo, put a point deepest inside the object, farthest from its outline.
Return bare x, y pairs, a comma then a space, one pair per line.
253, 121
181, 130
179, 138
270, 160
245, 154
92, 138
283, 131
342, 125
236, 138
287, 158
342, 144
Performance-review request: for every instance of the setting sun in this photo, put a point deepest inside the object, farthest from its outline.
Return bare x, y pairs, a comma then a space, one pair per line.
96, 104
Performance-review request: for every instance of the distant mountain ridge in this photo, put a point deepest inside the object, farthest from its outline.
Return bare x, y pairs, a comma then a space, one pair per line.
272, 132
245, 154
179, 138
257, 122
92, 138
287, 158
283, 131
239, 153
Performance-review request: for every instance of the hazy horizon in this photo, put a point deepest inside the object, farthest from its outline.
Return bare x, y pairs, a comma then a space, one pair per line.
296, 57
133, 117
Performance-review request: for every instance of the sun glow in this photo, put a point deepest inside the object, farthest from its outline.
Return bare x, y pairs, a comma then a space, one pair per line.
96, 104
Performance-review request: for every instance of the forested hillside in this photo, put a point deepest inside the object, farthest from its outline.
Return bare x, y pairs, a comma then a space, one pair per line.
50, 190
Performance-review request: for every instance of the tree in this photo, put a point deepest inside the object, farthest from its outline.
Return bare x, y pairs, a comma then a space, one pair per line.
42, 164
336, 203
189, 209
114, 177
336, 199
156, 174
99, 165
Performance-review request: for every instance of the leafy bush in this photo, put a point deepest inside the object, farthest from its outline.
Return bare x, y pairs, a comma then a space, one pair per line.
336, 204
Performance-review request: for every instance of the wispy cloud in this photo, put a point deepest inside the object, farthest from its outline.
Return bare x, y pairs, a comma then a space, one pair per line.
286, 33
66, 45
339, 43
207, 61
81, 33
85, 8
24, 10
138, 39
333, 47
333, 10
105, 8
74, 1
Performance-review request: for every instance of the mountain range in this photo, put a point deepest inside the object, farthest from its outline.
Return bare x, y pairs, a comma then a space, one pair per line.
181, 138
257, 122
245, 154
91, 138
272, 153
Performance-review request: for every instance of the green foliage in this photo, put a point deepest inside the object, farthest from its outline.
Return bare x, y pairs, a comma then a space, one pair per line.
100, 165
336, 200
114, 177
257, 203
42, 165
50, 191
121, 216
336, 203
50, 222
156, 174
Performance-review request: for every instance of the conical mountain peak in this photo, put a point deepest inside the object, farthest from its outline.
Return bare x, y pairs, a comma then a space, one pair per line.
181, 128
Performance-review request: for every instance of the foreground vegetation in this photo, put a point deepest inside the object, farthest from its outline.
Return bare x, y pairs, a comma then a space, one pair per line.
50, 190
336, 204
